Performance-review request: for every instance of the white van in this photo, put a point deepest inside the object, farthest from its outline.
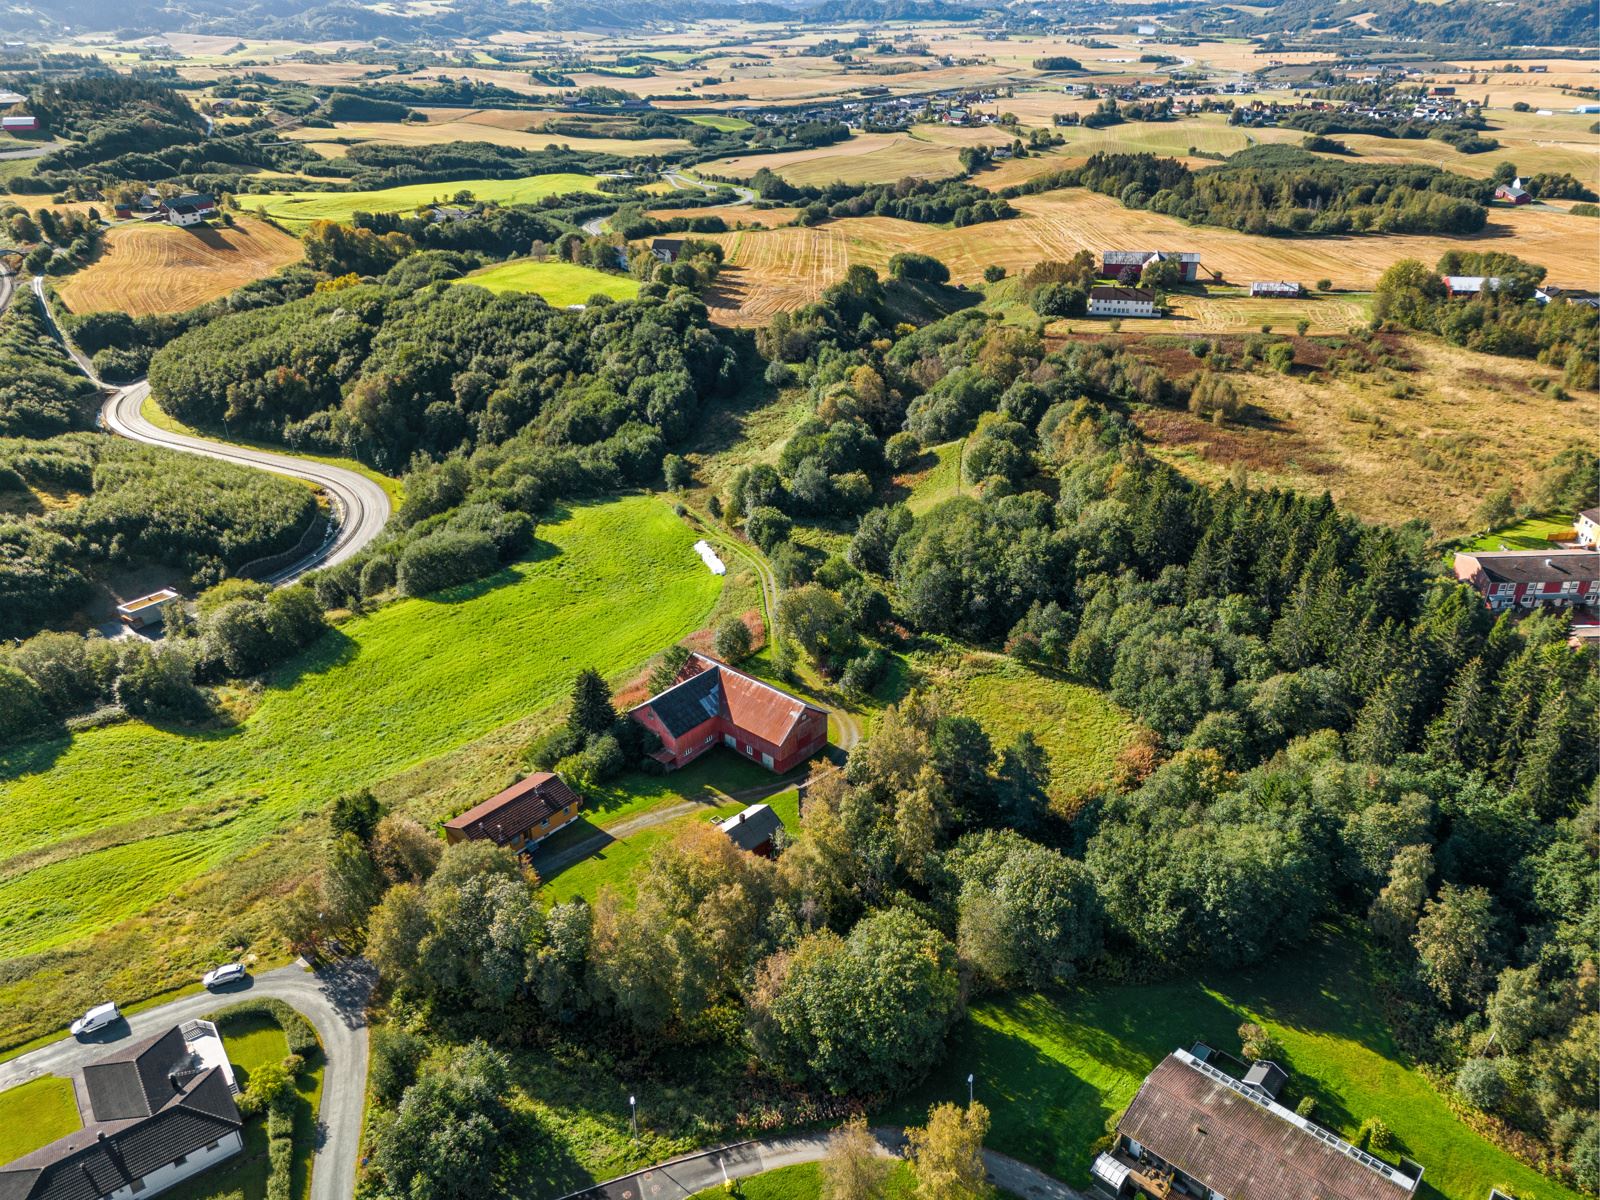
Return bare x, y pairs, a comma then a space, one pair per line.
95, 1019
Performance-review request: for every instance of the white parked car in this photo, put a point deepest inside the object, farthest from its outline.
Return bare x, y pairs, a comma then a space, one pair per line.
95, 1019
225, 974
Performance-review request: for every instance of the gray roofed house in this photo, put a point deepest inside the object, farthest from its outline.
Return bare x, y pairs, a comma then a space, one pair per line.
693, 702
753, 829
159, 1113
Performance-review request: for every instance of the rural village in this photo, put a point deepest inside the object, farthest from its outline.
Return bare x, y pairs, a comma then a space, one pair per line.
860, 600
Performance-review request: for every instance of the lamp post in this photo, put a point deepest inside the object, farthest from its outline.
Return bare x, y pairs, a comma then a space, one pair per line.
633, 1111
969, 1090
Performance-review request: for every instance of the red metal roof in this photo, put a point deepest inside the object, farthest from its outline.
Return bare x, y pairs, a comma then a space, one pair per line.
751, 705
517, 809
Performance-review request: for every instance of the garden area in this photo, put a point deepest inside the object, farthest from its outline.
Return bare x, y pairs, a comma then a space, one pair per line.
278, 1065
34, 1114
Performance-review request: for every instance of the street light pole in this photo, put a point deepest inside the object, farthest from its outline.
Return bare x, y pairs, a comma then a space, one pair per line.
969, 1090
633, 1109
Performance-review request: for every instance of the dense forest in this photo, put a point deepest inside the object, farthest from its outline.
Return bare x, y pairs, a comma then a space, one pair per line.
1279, 190
381, 373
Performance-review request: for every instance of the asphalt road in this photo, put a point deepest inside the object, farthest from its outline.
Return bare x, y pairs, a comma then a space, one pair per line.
334, 1001
361, 509
679, 1178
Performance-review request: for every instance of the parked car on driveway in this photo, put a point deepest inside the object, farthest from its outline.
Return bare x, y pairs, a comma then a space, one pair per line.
225, 974
97, 1018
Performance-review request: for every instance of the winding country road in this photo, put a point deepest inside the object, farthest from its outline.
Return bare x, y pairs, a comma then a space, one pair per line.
361, 507
333, 1000
679, 1178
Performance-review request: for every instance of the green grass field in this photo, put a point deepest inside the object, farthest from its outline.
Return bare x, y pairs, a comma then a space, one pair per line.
1080, 728
804, 1182
252, 1039
937, 479
34, 1114
1532, 533
295, 210
1055, 1070
721, 124
105, 824
560, 283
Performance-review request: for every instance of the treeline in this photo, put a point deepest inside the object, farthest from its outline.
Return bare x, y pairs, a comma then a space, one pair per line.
1503, 319
1280, 190
381, 373
132, 506
41, 391
112, 115
922, 200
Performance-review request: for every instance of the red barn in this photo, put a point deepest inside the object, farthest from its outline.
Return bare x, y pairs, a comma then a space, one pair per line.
712, 703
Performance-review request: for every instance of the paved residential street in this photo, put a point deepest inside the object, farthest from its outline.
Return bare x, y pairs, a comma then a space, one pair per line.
333, 1000
679, 1178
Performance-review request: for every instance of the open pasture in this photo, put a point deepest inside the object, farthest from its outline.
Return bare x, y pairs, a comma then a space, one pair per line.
560, 283
1234, 310
499, 127
156, 268
105, 824
1431, 443
298, 209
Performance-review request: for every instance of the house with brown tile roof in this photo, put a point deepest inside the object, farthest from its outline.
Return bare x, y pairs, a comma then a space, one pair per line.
713, 704
1194, 1129
521, 816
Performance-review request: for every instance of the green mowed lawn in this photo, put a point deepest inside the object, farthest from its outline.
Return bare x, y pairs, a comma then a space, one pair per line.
34, 1114
721, 124
252, 1039
298, 209
936, 480
1056, 1069
619, 863
1532, 533
804, 1182
560, 283
103, 824
1079, 727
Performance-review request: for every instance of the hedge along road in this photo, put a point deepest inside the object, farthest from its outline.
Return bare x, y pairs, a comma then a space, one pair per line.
361, 509
333, 1000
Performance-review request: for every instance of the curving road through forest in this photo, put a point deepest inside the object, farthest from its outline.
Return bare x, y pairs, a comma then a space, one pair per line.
361, 507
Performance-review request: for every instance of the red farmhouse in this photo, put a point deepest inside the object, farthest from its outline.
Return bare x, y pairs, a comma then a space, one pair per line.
711, 703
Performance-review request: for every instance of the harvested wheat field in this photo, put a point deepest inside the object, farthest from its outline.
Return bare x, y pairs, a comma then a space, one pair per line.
736, 215
147, 269
1430, 442
864, 158
784, 268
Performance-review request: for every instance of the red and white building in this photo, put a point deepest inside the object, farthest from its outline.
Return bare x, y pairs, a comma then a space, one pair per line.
1532, 578
712, 704
1127, 266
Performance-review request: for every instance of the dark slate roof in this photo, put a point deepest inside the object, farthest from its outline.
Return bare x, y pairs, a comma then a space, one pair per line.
134, 1081
520, 807
1120, 293
693, 702
1537, 566
1592, 513
753, 827
100, 1158
1244, 1147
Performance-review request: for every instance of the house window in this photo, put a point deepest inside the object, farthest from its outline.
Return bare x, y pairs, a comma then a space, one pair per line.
730, 741
749, 751
766, 761
138, 1186
213, 1146
180, 1160
1569, 585
1504, 589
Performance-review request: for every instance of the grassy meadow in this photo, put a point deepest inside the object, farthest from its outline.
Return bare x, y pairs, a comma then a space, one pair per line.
1057, 1069
34, 1114
109, 822
1531, 533
296, 210
560, 283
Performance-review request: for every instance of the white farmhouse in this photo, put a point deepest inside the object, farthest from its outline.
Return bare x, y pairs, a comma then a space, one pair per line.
1121, 302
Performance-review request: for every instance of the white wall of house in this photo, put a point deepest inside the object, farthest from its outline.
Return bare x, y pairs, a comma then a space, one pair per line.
162, 1178
1121, 308
178, 218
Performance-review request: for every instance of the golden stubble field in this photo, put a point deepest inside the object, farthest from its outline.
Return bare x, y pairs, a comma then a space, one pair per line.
782, 268
148, 269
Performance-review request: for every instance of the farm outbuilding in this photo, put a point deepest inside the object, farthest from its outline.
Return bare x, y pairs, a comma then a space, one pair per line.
1277, 290
521, 816
146, 611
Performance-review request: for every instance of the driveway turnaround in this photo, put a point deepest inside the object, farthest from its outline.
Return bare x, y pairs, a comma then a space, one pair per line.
334, 1000
679, 1178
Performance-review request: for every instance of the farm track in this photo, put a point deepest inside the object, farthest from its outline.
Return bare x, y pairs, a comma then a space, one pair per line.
361, 508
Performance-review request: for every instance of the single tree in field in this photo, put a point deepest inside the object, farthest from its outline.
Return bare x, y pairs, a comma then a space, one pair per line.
357, 813
855, 1168
733, 640
947, 1153
591, 704
665, 673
